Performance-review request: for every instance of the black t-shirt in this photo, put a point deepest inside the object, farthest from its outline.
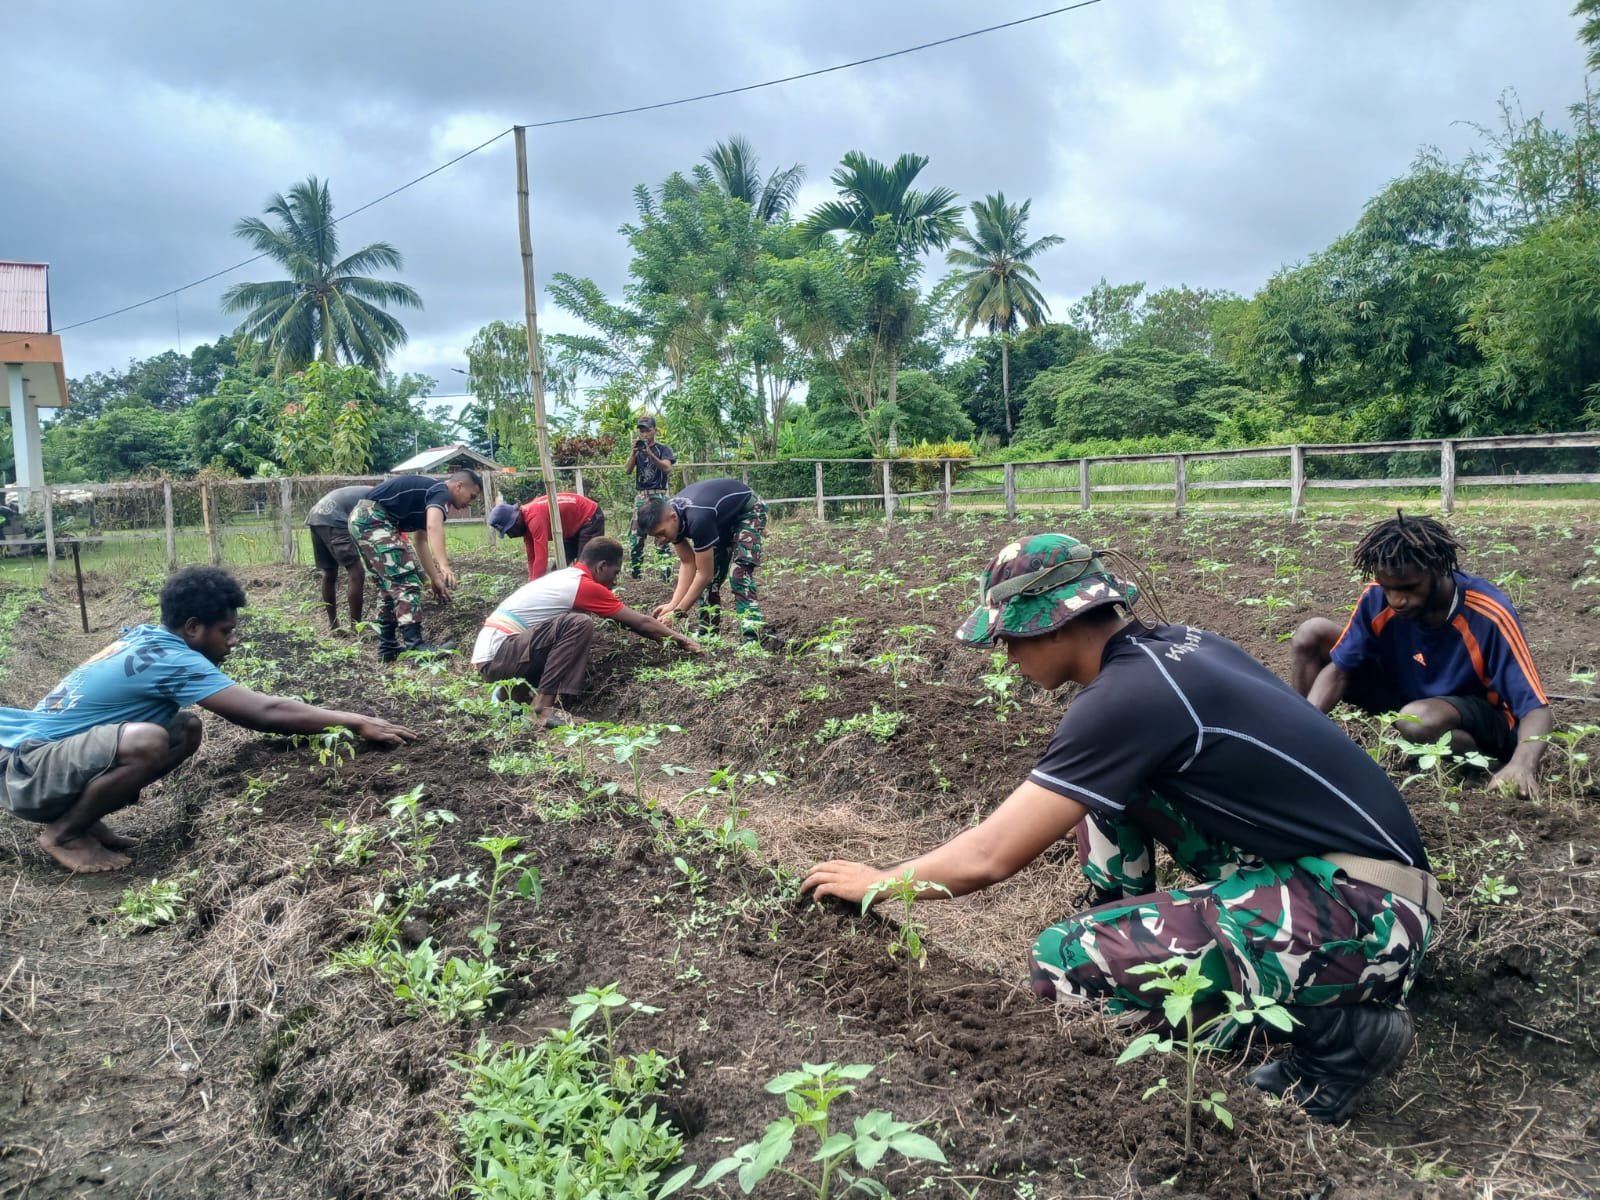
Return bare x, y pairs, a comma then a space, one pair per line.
708, 511
651, 478
1239, 752
407, 499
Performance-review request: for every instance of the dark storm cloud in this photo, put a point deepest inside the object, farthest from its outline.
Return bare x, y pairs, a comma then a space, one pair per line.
1166, 140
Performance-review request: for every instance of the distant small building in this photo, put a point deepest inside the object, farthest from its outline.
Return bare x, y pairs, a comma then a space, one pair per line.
437, 460
35, 372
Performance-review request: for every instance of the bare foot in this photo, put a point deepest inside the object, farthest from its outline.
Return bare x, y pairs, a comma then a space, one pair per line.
83, 855
111, 840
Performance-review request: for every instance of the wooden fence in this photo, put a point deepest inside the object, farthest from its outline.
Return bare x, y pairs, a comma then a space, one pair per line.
276, 508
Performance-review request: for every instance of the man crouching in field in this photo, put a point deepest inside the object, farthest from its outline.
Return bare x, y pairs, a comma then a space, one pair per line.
1312, 885
113, 726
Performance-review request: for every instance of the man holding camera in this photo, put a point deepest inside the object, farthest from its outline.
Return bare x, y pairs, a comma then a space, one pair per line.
651, 461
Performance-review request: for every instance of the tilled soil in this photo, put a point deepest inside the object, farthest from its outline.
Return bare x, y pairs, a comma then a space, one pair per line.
222, 1057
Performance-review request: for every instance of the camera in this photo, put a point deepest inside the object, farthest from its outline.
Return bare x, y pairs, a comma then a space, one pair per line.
638, 443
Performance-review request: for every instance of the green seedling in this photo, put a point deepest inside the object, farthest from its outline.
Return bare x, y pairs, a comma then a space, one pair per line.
628, 743
451, 989
606, 1003
1184, 984
880, 726
1574, 747
160, 902
527, 887
907, 938
414, 828
330, 746
354, 841
1492, 891
1000, 686
810, 1093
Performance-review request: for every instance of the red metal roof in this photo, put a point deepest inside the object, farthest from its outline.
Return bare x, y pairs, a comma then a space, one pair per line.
24, 297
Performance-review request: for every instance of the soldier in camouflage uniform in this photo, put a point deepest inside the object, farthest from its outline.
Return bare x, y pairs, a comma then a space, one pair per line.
651, 462
1311, 884
717, 527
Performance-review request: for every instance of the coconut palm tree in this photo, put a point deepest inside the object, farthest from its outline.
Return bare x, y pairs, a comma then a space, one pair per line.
1000, 290
329, 307
886, 226
737, 172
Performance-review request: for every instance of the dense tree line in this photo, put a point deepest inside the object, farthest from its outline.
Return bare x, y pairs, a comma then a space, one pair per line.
1465, 299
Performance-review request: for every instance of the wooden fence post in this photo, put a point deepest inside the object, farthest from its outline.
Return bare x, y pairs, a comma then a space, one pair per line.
1297, 480
822, 511
577, 481
1180, 482
1083, 483
888, 496
213, 536
944, 507
49, 536
1447, 477
1011, 491
172, 532
286, 504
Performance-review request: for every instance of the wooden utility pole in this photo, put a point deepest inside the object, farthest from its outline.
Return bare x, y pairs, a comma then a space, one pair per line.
535, 366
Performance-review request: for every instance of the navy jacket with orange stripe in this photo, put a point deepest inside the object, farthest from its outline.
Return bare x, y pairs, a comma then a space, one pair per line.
1479, 651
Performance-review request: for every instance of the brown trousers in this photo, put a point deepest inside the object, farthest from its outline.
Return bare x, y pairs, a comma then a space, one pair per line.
552, 655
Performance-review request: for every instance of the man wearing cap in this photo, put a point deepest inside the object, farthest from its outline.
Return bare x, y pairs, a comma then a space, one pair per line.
1313, 887
651, 461
541, 633
716, 526
332, 547
581, 522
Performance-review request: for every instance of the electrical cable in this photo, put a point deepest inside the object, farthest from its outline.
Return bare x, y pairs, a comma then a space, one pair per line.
596, 116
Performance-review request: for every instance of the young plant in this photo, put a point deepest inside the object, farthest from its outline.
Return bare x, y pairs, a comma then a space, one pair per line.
906, 940
1573, 745
331, 745
809, 1093
354, 841
527, 886
160, 902
416, 829
629, 742
880, 726
1492, 891
605, 1001
1000, 687
1183, 983
451, 989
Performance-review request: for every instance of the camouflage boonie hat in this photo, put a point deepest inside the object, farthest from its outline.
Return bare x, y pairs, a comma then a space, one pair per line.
1039, 584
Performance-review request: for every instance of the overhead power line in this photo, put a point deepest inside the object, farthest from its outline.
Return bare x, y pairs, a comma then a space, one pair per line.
595, 116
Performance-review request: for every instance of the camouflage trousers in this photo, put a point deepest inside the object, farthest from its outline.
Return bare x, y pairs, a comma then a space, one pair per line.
1298, 931
735, 562
387, 555
636, 547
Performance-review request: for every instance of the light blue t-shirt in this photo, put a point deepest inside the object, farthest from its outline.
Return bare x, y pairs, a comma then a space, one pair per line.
146, 675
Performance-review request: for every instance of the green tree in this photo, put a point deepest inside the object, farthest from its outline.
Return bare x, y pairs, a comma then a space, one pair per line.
1129, 393
975, 379
131, 438
886, 225
1000, 288
323, 419
329, 307
1189, 320
1110, 313
737, 171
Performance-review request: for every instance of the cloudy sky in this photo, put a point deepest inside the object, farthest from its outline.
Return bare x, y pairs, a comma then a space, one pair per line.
1197, 141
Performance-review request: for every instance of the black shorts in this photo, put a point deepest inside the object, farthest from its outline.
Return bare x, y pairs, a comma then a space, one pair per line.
332, 547
1370, 689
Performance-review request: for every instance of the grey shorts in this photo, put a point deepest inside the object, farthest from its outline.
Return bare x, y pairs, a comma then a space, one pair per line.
332, 547
40, 781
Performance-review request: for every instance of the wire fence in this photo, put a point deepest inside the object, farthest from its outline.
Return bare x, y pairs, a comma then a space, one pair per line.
150, 527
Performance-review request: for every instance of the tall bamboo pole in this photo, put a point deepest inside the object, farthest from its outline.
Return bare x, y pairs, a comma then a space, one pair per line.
535, 366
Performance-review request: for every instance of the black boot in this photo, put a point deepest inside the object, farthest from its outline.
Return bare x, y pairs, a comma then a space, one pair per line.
388, 642
412, 643
1337, 1049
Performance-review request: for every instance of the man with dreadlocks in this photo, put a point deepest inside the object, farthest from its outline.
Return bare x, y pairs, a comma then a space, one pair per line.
1442, 649
1312, 887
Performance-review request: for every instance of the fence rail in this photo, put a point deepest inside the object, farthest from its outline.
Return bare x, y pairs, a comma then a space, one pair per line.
191, 519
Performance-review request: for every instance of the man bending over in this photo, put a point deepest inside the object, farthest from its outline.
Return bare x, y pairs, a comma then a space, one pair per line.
1312, 885
541, 633
113, 726
1442, 648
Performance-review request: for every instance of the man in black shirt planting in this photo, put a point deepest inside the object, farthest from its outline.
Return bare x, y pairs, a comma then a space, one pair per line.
1313, 886
332, 547
716, 526
380, 524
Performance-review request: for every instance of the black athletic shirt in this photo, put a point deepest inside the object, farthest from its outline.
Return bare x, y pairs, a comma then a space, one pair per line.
407, 499
1238, 751
708, 510
648, 476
